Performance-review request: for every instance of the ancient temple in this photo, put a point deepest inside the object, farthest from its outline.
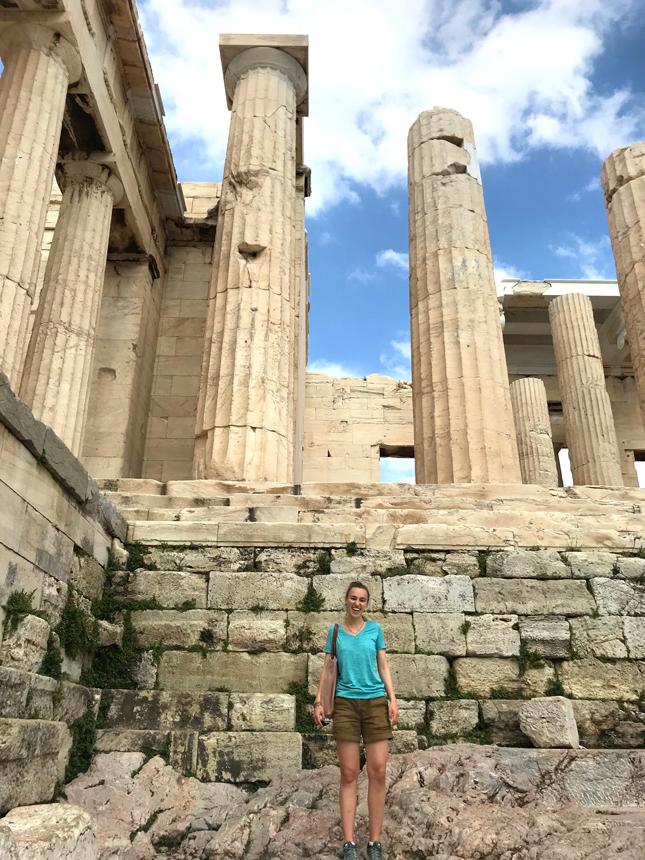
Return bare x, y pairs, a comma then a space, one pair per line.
174, 481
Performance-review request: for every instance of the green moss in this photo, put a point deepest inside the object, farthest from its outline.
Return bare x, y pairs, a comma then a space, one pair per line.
18, 605
83, 743
104, 708
482, 559
323, 560
554, 688
396, 570
312, 601
256, 609
113, 665
451, 688
187, 605
170, 840
299, 640
351, 548
52, 664
528, 659
136, 557
109, 606
505, 693
304, 701
465, 627
78, 633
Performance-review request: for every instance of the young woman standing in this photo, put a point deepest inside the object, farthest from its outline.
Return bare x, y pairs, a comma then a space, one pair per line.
365, 707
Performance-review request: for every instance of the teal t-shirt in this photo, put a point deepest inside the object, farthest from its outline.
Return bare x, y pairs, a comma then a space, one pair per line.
358, 676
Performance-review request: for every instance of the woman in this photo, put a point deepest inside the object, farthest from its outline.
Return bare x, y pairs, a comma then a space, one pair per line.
365, 706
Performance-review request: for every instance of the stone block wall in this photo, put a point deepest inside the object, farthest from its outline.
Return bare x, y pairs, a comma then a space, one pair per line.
56, 535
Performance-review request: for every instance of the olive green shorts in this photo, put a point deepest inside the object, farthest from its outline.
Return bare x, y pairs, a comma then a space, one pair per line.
368, 718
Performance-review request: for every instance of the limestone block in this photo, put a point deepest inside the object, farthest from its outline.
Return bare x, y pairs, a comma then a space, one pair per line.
261, 589
14, 690
598, 637
630, 568
412, 714
247, 756
332, 587
479, 677
171, 589
87, 576
200, 558
43, 693
461, 564
587, 565
33, 755
550, 722
319, 751
25, 646
532, 597
417, 676
595, 679
8, 847
73, 701
548, 636
500, 718
109, 634
237, 672
404, 742
54, 598
618, 597
609, 724
53, 831
144, 671
429, 594
493, 636
260, 712
527, 564
634, 630
440, 633
261, 630
452, 718
172, 628
366, 562
286, 560
178, 747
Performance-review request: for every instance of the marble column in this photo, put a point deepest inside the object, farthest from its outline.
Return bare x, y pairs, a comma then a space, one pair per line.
245, 419
588, 420
623, 181
533, 428
39, 65
58, 364
301, 330
463, 422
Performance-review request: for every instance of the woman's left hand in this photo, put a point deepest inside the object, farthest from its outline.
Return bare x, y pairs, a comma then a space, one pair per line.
393, 712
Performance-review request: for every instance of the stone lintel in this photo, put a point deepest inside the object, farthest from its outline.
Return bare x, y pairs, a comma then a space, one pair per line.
232, 44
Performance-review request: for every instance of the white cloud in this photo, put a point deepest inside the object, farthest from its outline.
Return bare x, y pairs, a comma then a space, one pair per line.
396, 360
591, 187
393, 258
333, 368
506, 271
592, 260
362, 275
523, 77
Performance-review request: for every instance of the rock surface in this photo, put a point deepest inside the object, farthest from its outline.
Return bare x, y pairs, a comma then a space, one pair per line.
550, 722
451, 803
52, 831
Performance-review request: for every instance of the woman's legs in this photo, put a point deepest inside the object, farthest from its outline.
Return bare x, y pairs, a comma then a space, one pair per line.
376, 754
349, 761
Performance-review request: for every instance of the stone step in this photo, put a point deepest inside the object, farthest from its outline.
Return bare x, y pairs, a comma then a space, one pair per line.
246, 534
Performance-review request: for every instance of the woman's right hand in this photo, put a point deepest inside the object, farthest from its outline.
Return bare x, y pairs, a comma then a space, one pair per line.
319, 714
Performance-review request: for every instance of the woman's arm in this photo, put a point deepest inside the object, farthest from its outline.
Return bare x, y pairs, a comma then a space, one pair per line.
386, 677
319, 713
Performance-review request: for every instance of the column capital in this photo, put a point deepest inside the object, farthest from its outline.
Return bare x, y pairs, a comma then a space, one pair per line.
41, 38
287, 54
82, 170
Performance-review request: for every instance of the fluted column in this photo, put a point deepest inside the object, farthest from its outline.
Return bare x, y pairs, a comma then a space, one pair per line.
463, 422
39, 66
58, 364
623, 181
586, 408
245, 421
533, 428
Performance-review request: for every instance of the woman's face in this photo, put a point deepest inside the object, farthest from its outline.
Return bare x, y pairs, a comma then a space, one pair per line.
356, 602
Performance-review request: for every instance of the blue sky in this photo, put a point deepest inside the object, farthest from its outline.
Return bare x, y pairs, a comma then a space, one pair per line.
552, 87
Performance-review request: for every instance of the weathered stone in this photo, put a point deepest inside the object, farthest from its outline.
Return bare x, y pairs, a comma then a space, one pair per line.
247, 756
118, 555
546, 636
73, 701
87, 576
161, 709
533, 429
527, 564
256, 631
144, 671
481, 677
587, 565
202, 558
261, 589
493, 636
109, 633
33, 755
178, 747
54, 598
417, 676
452, 718
239, 673
630, 567
532, 597
549, 722
609, 724
173, 628
461, 564
440, 633
404, 742
429, 594
291, 560
598, 637
332, 588
501, 720
8, 847
14, 690
412, 714
43, 692
318, 750
635, 637
258, 712
52, 831
170, 589
594, 679
617, 597
24, 647
426, 564
367, 562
